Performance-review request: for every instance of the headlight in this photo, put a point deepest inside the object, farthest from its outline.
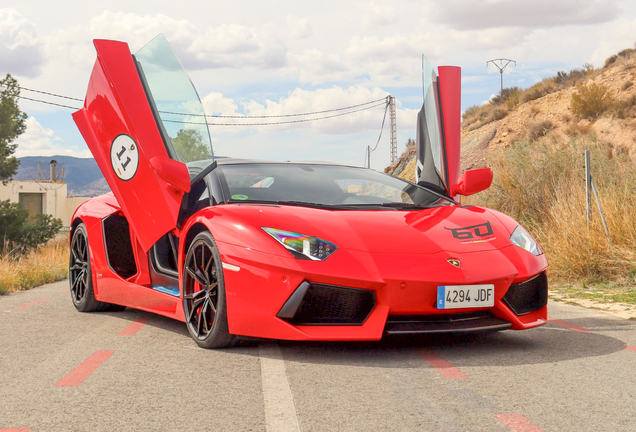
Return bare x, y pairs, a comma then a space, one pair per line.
303, 246
520, 237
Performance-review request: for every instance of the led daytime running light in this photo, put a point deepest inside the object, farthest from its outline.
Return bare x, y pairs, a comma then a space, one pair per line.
303, 246
520, 237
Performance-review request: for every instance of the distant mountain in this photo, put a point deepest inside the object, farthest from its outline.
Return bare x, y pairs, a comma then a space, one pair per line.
82, 175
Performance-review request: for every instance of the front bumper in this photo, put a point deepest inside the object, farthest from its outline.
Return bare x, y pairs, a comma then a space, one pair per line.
404, 285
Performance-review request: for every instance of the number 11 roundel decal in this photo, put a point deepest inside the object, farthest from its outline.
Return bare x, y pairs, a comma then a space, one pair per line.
124, 157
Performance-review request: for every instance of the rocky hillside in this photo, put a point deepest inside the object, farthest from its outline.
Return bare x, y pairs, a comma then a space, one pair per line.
545, 112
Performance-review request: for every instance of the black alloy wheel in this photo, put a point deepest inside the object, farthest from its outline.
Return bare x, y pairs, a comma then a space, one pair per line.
204, 294
80, 276
79, 272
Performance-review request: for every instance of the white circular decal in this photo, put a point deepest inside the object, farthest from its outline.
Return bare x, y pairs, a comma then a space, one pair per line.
124, 157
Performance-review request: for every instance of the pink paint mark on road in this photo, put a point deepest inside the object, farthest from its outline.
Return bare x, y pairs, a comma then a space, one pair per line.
85, 369
517, 423
444, 367
134, 327
33, 303
15, 429
631, 348
569, 326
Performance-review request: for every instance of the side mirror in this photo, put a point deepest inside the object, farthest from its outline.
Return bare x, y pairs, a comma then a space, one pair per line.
173, 172
473, 181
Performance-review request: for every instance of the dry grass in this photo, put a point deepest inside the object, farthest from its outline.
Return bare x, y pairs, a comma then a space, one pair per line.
542, 186
46, 264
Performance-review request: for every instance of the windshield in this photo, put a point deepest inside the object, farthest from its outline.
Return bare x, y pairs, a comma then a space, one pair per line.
175, 102
323, 185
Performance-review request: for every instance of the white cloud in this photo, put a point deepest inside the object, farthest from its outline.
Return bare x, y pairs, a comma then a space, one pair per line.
470, 14
379, 14
621, 36
40, 141
299, 28
20, 48
304, 101
215, 103
316, 67
226, 45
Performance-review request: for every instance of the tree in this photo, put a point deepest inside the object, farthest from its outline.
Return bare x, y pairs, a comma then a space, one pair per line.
12, 124
191, 146
18, 232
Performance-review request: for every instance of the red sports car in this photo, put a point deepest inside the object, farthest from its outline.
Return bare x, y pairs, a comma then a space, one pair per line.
284, 250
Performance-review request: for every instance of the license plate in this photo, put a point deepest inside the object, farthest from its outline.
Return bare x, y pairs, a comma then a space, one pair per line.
465, 296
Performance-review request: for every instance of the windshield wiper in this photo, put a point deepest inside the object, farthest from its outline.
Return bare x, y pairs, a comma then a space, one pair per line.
409, 206
317, 205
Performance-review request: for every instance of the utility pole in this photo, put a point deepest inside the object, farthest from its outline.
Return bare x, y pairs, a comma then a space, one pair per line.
394, 156
501, 67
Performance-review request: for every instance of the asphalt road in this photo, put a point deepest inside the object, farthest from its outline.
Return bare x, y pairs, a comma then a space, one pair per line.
61, 370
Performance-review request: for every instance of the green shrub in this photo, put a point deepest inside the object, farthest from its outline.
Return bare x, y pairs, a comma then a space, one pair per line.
591, 100
19, 233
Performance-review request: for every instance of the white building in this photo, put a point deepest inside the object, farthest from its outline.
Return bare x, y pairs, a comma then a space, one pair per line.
42, 196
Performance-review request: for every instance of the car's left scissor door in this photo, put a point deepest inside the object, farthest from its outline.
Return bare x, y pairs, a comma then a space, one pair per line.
124, 130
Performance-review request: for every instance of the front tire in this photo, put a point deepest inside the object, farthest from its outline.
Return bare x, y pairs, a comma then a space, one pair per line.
80, 276
204, 294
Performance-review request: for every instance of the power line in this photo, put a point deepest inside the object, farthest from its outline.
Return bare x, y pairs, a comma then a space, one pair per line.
203, 115
50, 94
569, 28
275, 123
381, 128
275, 116
232, 124
48, 103
535, 24
369, 151
522, 50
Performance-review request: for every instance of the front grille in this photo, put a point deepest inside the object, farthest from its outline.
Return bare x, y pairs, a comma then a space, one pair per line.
444, 323
329, 305
528, 296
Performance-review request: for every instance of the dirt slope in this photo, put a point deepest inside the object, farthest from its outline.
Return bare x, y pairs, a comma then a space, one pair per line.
550, 118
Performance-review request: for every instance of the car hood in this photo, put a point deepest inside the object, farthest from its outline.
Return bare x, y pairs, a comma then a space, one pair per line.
453, 228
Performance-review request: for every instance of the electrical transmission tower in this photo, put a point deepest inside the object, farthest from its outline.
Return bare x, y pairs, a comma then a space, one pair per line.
501, 67
394, 156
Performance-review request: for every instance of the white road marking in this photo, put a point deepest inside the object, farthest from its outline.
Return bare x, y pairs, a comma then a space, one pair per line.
280, 411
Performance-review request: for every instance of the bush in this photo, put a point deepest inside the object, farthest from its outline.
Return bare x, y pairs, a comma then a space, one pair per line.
542, 186
591, 100
610, 60
539, 129
19, 233
471, 111
505, 95
624, 107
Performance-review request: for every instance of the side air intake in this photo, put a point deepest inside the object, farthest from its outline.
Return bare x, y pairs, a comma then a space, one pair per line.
319, 304
528, 296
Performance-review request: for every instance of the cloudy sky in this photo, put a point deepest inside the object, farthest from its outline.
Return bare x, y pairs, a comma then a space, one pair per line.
286, 57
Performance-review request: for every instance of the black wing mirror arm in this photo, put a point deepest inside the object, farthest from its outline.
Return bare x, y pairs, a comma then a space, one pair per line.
189, 199
207, 170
